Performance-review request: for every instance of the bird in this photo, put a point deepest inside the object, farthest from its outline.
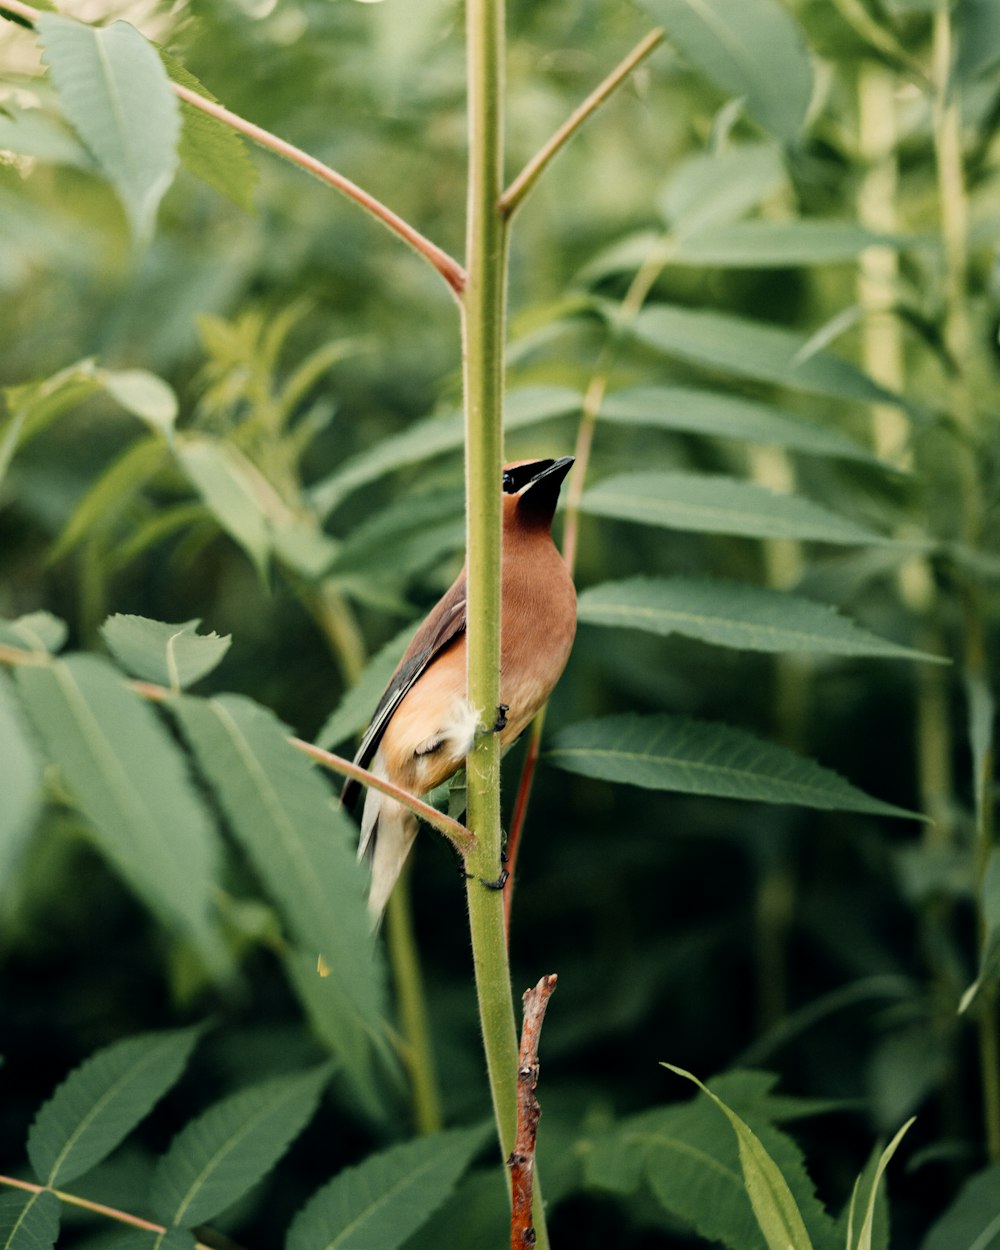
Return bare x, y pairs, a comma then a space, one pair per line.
424, 725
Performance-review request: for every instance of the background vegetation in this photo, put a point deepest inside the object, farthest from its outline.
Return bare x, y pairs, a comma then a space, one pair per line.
757, 295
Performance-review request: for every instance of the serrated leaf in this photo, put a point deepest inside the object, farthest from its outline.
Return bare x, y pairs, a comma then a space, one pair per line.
715, 413
384, 1200
709, 189
775, 1208
778, 244
144, 395
215, 1159
972, 1221
29, 1221
433, 437
170, 655
102, 1101
864, 1234
750, 349
754, 50
114, 90
299, 843
111, 493
734, 614
130, 781
36, 631
664, 752
20, 780
704, 503
354, 711
210, 149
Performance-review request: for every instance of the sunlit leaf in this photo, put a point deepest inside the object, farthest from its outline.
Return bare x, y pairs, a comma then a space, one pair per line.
754, 50
216, 1158
733, 614
861, 1238
665, 752
171, 655
102, 1100
130, 781
144, 395
115, 92
775, 1208
713, 504
385, 1199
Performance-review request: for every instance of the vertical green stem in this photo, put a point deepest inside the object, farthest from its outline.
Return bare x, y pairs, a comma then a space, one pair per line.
483, 307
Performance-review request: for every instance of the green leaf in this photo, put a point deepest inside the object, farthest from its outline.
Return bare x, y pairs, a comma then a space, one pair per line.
109, 496
704, 503
301, 845
435, 436
709, 189
29, 1221
977, 24
141, 1239
407, 537
754, 50
749, 349
209, 148
130, 781
384, 1200
114, 90
663, 752
715, 413
215, 1159
972, 1222
144, 395
354, 711
863, 1241
778, 244
102, 1101
989, 920
33, 132
37, 631
775, 1208
20, 780
171, 655
734, 614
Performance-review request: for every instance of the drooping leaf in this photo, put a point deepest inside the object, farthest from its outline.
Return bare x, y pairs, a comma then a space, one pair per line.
354, 711
20, 780
717, 414
114, 90
130, 781
750, 349
144, 395
710, 189
863, 1205
734, 614
300, 844
382, 1201
972, 1222
216, 1158
754, 50
29, 1221
36, 631
34, 132
775, 1208
664, 752
209, 148
778, 244
170, 655
102, 1100
435, 436
705, 503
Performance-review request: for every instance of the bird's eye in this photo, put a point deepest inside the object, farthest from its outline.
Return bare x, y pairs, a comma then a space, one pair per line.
508, 483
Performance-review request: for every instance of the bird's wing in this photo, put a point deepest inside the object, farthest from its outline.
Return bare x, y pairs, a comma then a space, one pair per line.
444, 624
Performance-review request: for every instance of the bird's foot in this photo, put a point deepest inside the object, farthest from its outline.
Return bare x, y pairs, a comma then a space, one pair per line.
500, 882
501, 720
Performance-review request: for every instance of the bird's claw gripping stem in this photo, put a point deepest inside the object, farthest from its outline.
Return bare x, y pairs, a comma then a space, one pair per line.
501, 720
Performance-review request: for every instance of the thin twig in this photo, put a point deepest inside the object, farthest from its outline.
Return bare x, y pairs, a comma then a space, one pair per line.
522, 1159
529, 175
98, 1208
446, 265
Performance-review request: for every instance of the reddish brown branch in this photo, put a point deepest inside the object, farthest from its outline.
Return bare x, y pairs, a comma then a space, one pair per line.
522, 1158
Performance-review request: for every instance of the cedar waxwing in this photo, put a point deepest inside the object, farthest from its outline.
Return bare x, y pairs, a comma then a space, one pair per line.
424, 725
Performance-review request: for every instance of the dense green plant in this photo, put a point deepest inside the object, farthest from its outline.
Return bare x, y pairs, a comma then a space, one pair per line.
754, 295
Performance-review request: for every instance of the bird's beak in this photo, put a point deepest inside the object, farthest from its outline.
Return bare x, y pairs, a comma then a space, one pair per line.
551, 472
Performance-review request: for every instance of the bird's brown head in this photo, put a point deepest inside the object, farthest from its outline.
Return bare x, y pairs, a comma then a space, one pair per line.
531, 491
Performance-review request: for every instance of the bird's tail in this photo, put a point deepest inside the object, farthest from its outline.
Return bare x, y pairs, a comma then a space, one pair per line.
387, 832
